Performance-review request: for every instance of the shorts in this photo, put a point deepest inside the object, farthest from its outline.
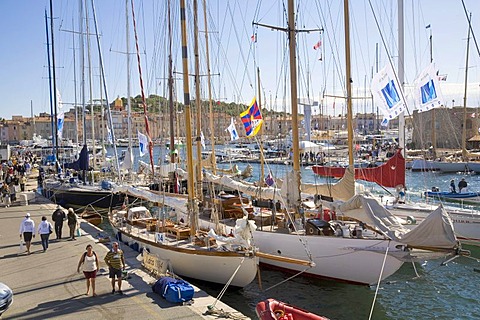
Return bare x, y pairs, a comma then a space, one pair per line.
112, 273
27, 236
90, 274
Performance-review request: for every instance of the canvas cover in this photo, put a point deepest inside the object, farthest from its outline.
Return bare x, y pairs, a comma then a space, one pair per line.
436, 231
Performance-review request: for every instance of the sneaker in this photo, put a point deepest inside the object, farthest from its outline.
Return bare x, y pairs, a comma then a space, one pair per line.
120, 292
113, 291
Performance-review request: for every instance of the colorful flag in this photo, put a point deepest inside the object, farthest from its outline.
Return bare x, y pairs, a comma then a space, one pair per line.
269, 180
427, 90
252, 119
317, 45
143, 143
60, 122
233, 131
254, 38
387, 93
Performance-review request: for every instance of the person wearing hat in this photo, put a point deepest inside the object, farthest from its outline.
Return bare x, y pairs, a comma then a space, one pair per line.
58, 217
462, 185
27, 230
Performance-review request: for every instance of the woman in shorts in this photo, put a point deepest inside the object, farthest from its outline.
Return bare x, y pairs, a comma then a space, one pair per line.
90, 264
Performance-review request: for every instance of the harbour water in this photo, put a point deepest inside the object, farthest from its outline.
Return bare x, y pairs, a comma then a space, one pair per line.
440, 291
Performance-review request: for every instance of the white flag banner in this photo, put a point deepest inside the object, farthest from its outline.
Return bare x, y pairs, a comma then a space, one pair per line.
233, 131
142, 143
202, 139
387, 93
60, 122
59, 100
427, 90
109, 135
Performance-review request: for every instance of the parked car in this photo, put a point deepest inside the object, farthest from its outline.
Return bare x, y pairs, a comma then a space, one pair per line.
6, 297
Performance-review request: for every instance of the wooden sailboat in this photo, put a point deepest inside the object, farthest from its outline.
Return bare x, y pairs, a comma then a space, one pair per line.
352, 255
183, 250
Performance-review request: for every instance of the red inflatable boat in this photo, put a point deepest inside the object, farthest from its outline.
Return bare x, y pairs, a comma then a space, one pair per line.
272, 309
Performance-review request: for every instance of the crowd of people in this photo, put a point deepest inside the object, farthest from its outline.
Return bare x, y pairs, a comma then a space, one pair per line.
13, 177
88, 263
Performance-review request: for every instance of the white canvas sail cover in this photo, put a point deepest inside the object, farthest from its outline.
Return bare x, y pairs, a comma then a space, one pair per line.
436, 231
342, 190
178, 202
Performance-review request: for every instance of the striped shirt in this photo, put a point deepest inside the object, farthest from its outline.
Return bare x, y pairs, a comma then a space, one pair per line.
115, 259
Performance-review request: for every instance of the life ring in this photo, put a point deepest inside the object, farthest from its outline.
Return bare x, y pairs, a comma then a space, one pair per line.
278, 313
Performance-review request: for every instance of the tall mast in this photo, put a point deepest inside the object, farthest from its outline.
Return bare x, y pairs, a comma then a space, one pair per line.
75, 90
54, 85
102, 73
210, 104
464, 131
293, 95
170, 88
90, 81
262, 159
144, 101
348, 83
186, 98
401, 73
129, 108
434, 134
50, 84
198, 102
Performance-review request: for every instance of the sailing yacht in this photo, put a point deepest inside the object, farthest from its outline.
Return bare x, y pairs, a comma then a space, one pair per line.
182, 249
341, 249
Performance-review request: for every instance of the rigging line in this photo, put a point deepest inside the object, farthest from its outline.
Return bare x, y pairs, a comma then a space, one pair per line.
470, 26
389, 58
144, 103
379, 280
222, 292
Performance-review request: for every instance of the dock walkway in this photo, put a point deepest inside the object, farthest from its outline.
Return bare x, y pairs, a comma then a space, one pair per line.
47, 286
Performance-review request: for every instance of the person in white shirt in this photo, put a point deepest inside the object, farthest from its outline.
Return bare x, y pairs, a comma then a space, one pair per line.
27, 230
90, 267
44, 230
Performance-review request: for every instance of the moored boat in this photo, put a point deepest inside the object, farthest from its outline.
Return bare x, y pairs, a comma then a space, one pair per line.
194, 256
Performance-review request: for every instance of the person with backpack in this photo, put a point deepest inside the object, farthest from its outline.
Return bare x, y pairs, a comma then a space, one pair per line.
90, 264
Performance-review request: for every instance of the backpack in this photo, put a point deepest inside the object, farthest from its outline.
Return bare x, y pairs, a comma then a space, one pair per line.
85, 254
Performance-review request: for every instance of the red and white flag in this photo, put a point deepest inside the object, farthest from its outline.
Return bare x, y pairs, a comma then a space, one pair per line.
317, 45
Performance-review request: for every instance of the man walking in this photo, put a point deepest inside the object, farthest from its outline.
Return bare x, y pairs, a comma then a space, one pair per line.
58, 217
116, 263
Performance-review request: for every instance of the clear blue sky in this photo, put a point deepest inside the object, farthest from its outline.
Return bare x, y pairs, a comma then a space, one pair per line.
23, 57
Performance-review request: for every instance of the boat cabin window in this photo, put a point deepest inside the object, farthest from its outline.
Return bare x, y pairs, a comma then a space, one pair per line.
138, 213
